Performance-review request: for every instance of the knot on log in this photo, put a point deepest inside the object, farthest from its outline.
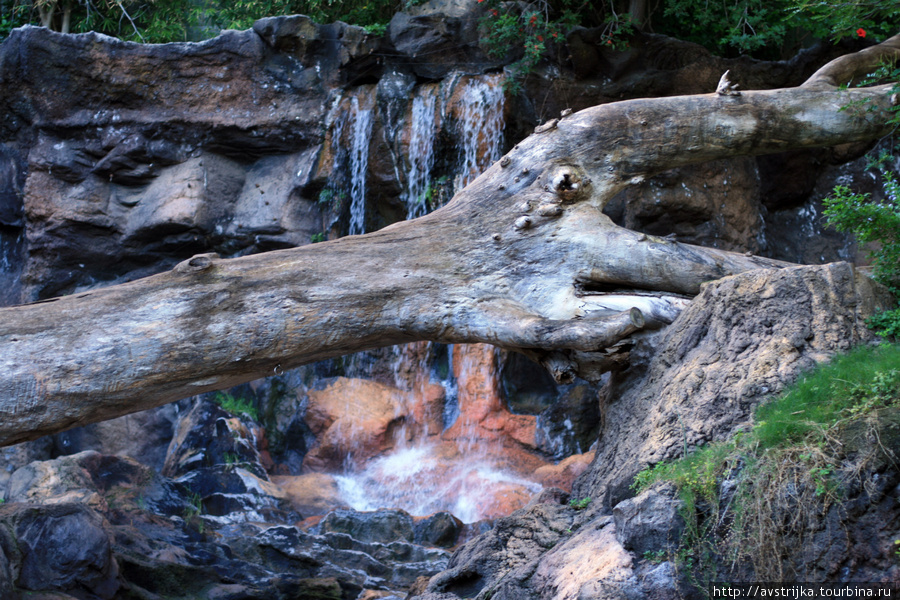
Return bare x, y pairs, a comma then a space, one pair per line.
549, 210
569, 183
196, 263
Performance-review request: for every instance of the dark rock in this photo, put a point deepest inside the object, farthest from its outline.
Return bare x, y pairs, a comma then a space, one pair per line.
291, 34
62, 547
12, 185
382, 526
716, 204
6, 575
440, 529
514, 542
649, 522
435, 44
208, 436
144, 435
570, 425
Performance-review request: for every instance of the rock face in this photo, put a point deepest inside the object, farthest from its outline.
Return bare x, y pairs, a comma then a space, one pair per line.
108, 527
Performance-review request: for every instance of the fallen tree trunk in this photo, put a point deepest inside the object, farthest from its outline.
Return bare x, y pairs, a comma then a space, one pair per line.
523, 258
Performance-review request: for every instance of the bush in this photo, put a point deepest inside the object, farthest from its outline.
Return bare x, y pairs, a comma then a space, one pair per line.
877, 223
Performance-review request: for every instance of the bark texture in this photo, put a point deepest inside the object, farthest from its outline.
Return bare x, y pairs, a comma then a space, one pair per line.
523, 258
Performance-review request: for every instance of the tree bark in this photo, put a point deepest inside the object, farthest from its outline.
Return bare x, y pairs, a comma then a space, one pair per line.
522, 258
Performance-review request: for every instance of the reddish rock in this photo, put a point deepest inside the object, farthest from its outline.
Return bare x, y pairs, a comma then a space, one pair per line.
355, 420
563, 474
482, 414
310, 494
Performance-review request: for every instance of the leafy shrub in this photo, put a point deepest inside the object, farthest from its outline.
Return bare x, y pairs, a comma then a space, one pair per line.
878, 223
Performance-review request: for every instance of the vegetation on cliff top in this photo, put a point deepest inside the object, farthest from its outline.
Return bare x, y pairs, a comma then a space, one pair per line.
761, 494
763, 28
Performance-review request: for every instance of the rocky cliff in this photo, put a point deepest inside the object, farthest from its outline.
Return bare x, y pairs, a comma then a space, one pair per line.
119, 160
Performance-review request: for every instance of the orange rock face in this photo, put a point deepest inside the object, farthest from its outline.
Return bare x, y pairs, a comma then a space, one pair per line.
386, 445
355, 420
482, 415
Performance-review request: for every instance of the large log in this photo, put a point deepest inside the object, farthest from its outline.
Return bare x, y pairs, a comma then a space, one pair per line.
522, 258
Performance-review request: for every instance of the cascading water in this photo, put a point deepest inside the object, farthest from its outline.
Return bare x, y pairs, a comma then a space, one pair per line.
359, 164
351, 133
481, 126
421, 151
469, 467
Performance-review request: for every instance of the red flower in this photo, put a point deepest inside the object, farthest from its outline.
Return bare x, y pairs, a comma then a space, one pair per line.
540, 38
554, 34
609, 41
533, 20
493, 11
861, 32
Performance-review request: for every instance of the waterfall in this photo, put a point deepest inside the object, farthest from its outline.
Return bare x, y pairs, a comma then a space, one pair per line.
359, 164
351, 134
481, 126
421, 151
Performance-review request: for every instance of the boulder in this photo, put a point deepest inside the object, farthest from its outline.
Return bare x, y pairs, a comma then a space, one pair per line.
310, 494
440, 529
649, 522
65, 546
355, 420
381, 526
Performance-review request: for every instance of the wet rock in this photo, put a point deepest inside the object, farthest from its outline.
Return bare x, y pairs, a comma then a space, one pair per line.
483, 414
208, 436
649, 522
382, 526
440, 529
62, 547
570, 425
355, 420
563, 474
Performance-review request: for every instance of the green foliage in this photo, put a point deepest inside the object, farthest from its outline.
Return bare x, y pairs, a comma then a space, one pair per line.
236, 406
878, 223
859, 18
731, 27
655, 556
317, 237
851, 385
528, 31
580, 504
